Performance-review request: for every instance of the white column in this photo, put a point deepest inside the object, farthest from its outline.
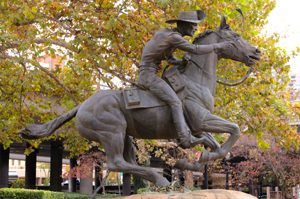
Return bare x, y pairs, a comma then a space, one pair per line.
268, 193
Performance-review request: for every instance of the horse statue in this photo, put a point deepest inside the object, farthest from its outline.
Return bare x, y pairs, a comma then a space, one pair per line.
107, 117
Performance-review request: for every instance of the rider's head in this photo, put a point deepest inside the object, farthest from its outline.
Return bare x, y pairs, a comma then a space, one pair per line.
186, 28
187, 22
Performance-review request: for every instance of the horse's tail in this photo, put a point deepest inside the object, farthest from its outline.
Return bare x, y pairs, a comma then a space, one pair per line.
35, 131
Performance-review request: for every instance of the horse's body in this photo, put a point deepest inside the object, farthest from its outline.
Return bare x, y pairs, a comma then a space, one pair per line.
143, 123
104, 118
111, 106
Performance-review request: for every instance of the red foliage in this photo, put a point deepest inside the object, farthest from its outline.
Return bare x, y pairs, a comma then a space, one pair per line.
273, 166
86, 163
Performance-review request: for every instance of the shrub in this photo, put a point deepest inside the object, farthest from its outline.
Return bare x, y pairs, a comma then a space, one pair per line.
11, 193
19, 183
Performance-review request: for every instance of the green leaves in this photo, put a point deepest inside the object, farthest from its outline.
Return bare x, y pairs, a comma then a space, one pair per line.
91, 43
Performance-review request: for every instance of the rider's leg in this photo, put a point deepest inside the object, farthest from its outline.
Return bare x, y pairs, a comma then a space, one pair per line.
163, 91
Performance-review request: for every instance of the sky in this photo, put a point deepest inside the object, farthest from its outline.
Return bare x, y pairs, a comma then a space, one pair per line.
285, 20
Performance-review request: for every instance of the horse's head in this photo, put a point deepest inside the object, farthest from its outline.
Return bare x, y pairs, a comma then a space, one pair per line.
241, 50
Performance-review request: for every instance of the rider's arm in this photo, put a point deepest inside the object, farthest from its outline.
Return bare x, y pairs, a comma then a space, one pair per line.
172, 60
177, 41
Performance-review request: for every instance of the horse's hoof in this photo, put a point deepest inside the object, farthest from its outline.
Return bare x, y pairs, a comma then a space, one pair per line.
162, 182
25, 134
204, 157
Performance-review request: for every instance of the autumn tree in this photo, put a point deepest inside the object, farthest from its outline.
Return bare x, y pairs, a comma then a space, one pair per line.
268, 167
99, 42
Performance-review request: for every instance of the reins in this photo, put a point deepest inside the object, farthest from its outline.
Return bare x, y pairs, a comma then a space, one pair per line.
225, 81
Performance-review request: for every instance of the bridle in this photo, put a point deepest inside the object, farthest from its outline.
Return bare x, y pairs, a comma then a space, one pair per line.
222, 80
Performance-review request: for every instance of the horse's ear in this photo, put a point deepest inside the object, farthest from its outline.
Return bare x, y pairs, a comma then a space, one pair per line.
223, 24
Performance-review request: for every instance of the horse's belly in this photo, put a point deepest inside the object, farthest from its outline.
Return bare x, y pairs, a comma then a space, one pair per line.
151, 123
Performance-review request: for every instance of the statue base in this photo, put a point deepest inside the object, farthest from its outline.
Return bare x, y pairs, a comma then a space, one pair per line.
199, 194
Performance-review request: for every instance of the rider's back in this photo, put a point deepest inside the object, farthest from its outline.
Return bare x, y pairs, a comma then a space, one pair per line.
158, 47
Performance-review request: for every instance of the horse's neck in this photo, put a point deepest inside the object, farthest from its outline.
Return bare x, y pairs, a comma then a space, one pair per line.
206, 76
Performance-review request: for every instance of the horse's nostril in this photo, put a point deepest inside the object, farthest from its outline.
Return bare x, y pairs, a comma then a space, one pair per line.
257, 50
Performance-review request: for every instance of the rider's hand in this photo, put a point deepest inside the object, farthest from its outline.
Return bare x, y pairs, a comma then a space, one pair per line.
174, 61
222, 46
186, 58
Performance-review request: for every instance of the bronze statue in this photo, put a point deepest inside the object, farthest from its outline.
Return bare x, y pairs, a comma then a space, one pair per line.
112, 117
159, 48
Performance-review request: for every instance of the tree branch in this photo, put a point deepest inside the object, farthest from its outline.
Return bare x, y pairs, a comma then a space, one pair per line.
37, 64
60, 43
57, 42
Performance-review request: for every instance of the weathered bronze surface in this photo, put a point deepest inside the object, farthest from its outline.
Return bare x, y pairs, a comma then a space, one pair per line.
104, 117
161, 47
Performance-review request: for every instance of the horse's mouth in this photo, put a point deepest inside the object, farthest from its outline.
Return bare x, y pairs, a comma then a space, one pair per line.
251, 59
255, 57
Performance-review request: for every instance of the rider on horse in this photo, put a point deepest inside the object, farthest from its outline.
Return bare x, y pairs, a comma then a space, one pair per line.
161, 47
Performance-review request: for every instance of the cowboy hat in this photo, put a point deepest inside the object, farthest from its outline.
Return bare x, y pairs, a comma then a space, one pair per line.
189, 16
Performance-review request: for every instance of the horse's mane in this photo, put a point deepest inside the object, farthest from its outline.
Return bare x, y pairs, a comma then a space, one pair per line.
202, 35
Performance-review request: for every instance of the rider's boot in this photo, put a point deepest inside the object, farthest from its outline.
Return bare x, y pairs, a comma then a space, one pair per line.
185, 138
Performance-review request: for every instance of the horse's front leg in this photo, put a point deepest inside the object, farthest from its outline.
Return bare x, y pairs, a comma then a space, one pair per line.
208, 140
213, 123
184, 164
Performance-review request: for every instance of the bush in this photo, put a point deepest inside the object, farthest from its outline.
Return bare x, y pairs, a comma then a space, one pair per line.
11, 193
18, 183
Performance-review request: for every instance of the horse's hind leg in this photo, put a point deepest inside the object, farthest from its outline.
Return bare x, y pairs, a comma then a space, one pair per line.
114, 148
103, 121
129, 151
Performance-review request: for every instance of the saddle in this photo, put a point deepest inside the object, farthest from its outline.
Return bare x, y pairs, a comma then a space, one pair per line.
136, 97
